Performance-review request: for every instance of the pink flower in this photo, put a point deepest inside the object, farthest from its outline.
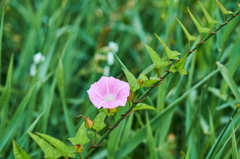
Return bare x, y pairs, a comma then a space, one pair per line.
109, 92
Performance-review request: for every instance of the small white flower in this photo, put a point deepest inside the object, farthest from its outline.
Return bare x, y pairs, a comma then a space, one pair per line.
38, 58
106, 71
33, 70
110, 58
113, 46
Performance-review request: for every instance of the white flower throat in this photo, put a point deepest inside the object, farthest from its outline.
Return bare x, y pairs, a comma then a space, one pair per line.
109, 97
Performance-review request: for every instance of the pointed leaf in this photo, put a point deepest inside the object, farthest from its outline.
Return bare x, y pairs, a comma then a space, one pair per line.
132, 81
170, 54
231, 83
6, 92
179, 66
209, 19
48, 150
172, 82
199, 27
238, 6
19, 153
15, 119
81, 136
143, 77
189, 37
151, 82
188, 153
234, 144
223, 9
66, 151
158, 62
141, 106
99, 121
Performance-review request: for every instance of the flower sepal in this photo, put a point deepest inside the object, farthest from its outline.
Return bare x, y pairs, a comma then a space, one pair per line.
113, 111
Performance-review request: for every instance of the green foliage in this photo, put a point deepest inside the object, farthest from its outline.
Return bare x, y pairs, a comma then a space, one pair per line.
132, 81
223, 9
234, 144
81, 136
231, 83
99, 121
66, 151
179, 66
76, 56
170, 54
150, 140
19, 153
188, 153
7, 90
141, 106
209, 19
158, 62
199, 27
48, 150
149, 82
189, 37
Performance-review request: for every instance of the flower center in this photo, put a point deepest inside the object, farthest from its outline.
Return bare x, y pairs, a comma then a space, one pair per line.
109, 98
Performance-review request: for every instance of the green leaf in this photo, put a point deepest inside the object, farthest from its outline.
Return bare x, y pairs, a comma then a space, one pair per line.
234, 144
99, 121
158, 62
67, 116
19, 153
150, 81
48, 150
172, 82
238, 6
81, 136
143, 77
15, 119
66, 151
199, 27
170, 54
188, 153
105, 111
189, 37
132, 81
141, 106
150, 140
6, 92
179, 66
224, 11
231, 83
209, 19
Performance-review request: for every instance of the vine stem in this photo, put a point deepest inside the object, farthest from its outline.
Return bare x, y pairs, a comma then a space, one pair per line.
162, 77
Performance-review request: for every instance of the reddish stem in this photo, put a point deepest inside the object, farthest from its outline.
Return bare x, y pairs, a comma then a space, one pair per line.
94, 146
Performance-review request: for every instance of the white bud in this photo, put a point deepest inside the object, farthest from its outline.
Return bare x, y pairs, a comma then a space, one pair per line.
113, 46
106, 71
38, 58
110, 58
33, 70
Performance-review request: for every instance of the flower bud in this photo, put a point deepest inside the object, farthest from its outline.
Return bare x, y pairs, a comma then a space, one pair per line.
79, 148
140, 82
88, 122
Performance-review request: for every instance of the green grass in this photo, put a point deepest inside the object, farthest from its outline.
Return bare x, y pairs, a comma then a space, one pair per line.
192, 111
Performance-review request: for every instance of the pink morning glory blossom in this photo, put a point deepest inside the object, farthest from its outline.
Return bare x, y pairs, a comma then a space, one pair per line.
109, 92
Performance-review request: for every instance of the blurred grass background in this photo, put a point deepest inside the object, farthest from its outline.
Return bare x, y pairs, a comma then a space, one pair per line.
72, 32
